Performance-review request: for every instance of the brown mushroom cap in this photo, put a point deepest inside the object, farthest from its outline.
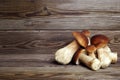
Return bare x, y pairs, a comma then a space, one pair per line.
81, 39
91, 48
86, 33
99, 41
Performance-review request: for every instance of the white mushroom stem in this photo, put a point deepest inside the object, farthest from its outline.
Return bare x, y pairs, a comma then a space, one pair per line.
103, 57
64, 55
91, 62
87, 34
92, 54
113, 55
77, 62
89, 43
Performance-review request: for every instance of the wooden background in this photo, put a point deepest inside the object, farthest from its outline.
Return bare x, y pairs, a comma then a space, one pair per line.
32, 30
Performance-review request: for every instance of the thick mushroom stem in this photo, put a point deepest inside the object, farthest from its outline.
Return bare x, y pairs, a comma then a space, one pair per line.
103, 57
92, 54
89, 61
64, 55
113, 55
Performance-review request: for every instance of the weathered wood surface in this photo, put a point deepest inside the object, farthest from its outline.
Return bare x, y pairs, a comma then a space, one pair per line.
58, 6
60, 22
32, 30
30, 55
62, 14
58, 73
45, 41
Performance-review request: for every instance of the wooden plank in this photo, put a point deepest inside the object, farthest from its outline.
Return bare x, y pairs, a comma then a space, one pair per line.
58, 73
45, 42
70, 14
63, 22
28, 8
35, 5
33, 60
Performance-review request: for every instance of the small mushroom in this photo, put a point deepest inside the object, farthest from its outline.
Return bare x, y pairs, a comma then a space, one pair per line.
83, 42
89, 61
91, 49
65, 54
100, 41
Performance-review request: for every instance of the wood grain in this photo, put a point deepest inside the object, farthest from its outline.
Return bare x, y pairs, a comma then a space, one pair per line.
37, 48
59, 22
77, 5
54, 14
45, 42
31, 31
26, 8
58, 73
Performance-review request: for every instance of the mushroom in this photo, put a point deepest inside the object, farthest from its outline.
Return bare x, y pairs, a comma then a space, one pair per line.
89, 61
91, 50
100, 41
83, 42
113, 55
65, 54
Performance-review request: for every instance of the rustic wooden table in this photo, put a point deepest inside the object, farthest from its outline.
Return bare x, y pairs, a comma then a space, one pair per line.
30, 37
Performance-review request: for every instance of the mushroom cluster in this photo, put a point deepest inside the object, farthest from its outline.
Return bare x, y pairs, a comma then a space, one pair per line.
93, 51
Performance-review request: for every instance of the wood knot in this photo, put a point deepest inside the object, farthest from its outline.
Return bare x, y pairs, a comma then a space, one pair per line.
115, 40
44, 11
